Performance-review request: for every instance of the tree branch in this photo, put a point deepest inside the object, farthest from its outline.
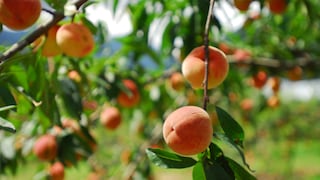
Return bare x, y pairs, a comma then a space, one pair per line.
276, 64
207, 55
15, 48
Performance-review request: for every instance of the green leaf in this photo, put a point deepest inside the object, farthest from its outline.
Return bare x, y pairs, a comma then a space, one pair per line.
215, 151
198, 172
6, 96
214, 170
87, 23
230, 126
66, 151
5, 108
239, 171
7, 126
71, 97
57, 4
166, 159
240, 151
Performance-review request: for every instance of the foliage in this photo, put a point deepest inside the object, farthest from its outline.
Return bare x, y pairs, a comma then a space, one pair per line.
37, 94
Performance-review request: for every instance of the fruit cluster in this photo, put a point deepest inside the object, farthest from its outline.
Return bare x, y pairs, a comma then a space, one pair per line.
188, 130
73, 39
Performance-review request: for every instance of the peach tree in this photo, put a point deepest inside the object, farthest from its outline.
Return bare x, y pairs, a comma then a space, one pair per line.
66, 68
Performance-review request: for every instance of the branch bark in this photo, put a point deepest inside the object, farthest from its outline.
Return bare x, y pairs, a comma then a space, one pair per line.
276, 64
207, 55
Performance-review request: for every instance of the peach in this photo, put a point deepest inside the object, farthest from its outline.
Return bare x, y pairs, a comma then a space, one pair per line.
75, 40
90, 105
110, 117
242, 5
71, 124
275, 83
74, 75
131, 98
46, 147
193, 67
177, 81
56, 171
241, 55
126, 156
277, 6
19, 14
295, 73
50, 47
247, 104
260, 79
188, 130
273, 101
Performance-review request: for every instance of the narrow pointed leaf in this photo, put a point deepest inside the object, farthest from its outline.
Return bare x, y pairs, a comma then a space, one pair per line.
239, 171
5, 108
7, 126
214, 170
226, 139
166, 159
230, 126
198, 172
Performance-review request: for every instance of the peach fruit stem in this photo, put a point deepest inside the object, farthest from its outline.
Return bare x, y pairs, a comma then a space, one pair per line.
207, 55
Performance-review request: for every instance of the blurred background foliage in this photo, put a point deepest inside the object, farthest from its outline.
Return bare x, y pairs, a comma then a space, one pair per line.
38, 93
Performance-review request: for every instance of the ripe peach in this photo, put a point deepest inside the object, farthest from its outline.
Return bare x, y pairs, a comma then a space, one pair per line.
193, 67
275, 84
19, 14
50, 47
188, 130
56, 171
75, 76
89, 104
126, 156
273, 101
241, 55
110, 117
129, 99
277, 6
71, 124
177, 81
46, 147
295, 73
75, 39
247, 104
242, 5
96, 174
260, 79
232, 96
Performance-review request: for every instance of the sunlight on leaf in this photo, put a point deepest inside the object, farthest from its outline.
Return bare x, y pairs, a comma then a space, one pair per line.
7, 126
166, 159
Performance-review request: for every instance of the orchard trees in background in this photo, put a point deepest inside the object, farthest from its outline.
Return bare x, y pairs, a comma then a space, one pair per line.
103, 100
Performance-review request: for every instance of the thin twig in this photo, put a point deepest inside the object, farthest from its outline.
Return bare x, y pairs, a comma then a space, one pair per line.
15, 48
207, 55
